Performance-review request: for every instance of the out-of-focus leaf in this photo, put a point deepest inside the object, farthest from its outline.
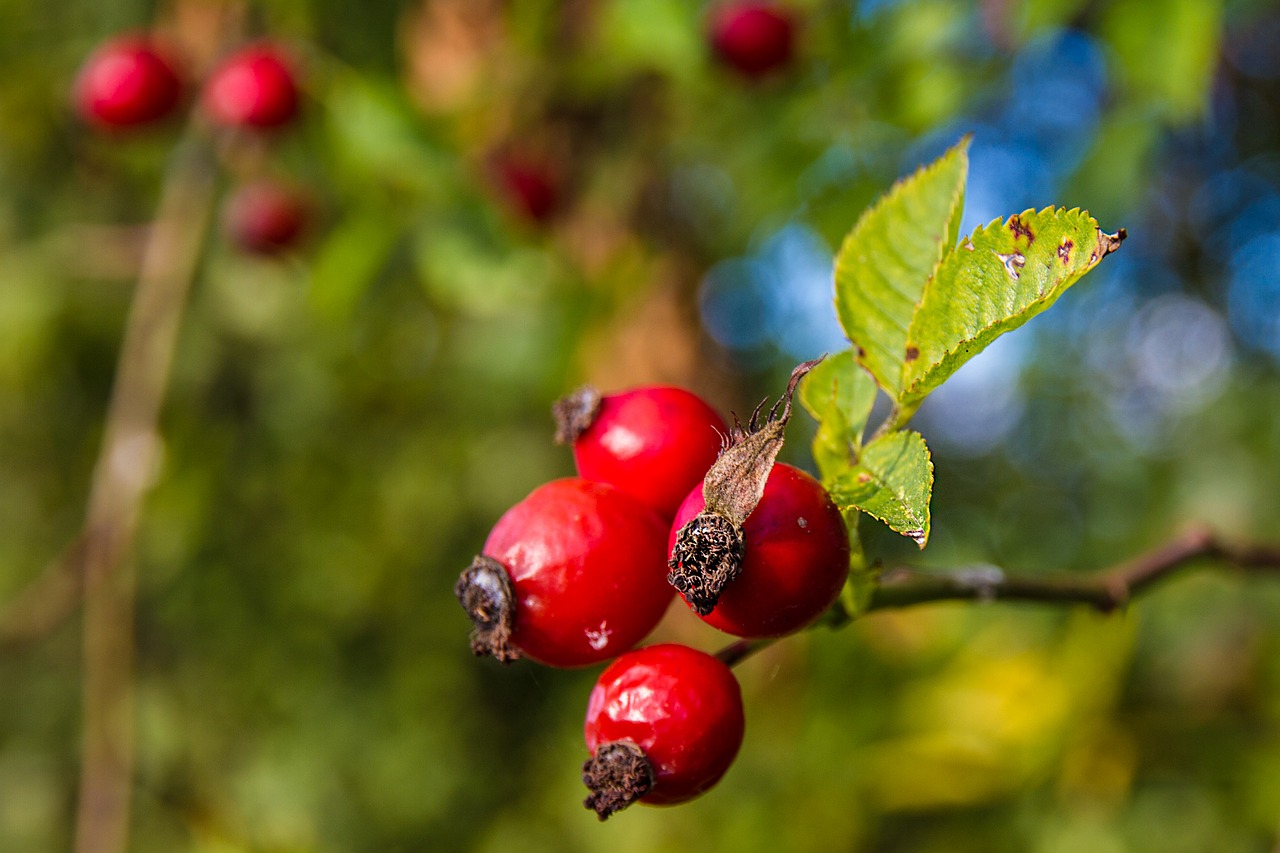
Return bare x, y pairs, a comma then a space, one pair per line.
347, 262
887, 258
1167, 50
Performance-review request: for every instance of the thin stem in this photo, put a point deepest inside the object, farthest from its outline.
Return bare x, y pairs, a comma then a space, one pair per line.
736, 652
1104, 590
124, 471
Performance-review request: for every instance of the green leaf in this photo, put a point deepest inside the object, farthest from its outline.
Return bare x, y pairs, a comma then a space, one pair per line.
839, 394
891, 481
888, 257
997, 279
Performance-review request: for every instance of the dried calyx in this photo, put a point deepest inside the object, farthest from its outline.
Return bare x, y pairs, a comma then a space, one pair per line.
574, 413
485, 592
708, 551
617, 775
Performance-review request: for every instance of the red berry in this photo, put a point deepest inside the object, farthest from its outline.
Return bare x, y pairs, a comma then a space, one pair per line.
126, 82
663, 725
795, 557
254, 87
265, 217
571, 575
532, 188
655, 443
752, 38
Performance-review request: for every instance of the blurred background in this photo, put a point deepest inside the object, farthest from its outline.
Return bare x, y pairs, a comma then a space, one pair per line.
511, 198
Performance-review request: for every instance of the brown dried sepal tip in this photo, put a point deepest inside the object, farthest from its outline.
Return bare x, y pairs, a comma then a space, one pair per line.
574, 413
709, 549
617, 775
707, 556
485, 592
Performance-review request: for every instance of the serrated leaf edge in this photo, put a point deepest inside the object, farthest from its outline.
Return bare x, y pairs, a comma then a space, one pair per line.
919, 536
908, 392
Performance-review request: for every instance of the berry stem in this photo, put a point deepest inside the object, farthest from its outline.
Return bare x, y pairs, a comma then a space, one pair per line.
738, 651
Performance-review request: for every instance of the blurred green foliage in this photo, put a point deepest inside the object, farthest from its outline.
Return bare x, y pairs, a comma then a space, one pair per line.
343, 425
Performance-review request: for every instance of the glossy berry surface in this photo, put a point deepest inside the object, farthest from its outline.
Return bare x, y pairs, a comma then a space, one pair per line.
796, 557
265, 217
127, 82
680, 706
255, 87
754, 39
656, 443
587, 565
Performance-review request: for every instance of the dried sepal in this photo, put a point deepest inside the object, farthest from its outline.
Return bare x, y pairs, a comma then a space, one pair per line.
709, 549
575, 412
617, 775
484, 589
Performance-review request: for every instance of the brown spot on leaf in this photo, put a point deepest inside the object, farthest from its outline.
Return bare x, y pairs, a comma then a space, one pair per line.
913, 352
864, 478
861, 352
1064, 251
1021, 229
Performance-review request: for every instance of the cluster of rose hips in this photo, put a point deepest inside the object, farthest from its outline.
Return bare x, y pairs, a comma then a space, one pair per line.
667, 499
134, 81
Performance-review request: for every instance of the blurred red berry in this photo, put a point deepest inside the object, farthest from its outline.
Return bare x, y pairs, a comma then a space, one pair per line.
266, 217
754, 39
254, 87
532, 188
127, 82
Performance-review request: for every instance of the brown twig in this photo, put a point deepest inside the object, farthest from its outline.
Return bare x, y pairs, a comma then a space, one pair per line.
1104, 590
125, 469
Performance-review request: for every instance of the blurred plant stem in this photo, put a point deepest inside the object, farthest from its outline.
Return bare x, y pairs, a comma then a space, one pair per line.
100, 560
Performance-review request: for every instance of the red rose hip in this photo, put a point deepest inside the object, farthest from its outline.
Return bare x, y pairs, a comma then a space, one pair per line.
655, 443
128, 81
663, 725
531, 187
752, 38
265, 217
795, 557
255, 87
571, 575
